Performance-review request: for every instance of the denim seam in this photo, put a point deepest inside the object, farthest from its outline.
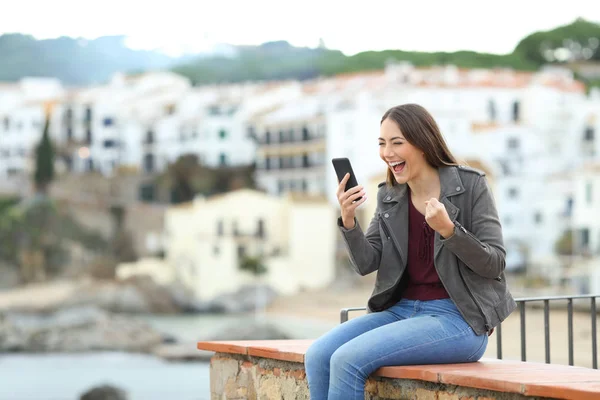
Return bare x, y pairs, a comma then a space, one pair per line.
460, 333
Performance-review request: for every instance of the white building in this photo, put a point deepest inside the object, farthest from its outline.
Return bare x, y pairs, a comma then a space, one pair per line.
206, 242
23, 108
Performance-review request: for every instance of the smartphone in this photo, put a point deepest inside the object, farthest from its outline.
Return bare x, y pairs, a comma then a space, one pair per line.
342, 166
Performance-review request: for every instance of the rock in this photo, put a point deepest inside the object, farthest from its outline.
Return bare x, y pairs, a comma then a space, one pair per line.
242, 300
10, 276
134, 295
105, 392
74, 330
182, 352
251, 330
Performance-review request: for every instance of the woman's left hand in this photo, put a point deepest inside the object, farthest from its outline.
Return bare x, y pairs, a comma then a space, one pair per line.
437, 218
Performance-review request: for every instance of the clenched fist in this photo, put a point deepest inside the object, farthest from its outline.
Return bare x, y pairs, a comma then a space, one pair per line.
437, 218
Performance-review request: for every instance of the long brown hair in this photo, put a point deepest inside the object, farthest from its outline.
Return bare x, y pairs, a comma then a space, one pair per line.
420, 129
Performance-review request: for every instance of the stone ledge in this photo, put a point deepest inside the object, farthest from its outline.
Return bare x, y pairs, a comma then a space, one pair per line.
494, 379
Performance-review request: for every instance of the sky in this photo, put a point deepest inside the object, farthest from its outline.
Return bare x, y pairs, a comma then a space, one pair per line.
179, 26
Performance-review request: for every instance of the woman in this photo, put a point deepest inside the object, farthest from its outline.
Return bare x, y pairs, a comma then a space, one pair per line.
436, 243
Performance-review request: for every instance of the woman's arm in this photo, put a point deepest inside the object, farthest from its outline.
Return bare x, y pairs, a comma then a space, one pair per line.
482, 250
364, 249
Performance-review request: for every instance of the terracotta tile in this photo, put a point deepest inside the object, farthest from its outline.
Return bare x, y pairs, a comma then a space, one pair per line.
480, 382
276, 354
290, 350
223, 347
565, 390
407, 372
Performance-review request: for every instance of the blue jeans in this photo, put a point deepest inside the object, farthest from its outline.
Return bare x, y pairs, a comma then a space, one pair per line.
410, 332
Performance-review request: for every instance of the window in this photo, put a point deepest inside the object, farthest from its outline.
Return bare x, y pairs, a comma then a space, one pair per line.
492, 110
222, 134
584, 237
304, 185
149, 137
569, 207
6, 123
220, 228
260, 230
235, 229
305, 161
305, 134
267, 163
241, 250
513, 193
537, 217
251, 133
108, 122
222, 159
147, 192
516, 117
88, 114
281, 137
110, 143
267, 137
88, 135
589, 134
513, 143
149, 163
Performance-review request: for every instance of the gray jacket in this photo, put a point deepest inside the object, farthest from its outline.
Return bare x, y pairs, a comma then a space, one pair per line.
470, 263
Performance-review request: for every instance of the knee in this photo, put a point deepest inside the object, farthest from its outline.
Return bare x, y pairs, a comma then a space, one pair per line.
316, 355
346, 360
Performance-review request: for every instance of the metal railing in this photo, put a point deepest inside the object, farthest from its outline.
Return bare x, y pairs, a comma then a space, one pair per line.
521, 303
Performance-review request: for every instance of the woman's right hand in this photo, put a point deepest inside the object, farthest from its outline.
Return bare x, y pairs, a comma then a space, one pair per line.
348, 203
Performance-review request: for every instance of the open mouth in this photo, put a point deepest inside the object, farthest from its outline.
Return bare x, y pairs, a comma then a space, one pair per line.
397, 166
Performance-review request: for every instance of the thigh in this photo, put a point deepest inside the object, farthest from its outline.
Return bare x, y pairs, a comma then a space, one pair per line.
439, 339
327, 344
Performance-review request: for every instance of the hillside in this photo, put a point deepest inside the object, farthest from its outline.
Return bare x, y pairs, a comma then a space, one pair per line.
77, 62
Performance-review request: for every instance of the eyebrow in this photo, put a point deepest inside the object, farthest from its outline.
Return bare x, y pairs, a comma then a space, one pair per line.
394, 138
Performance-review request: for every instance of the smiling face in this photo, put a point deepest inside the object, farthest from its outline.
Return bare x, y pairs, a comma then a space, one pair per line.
403, 159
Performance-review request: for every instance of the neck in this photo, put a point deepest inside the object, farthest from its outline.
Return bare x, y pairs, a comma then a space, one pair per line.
426, 184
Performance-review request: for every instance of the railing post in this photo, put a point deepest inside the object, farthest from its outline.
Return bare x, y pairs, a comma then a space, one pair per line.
594, 344
499, 342
570, 321
523, 332
547, 329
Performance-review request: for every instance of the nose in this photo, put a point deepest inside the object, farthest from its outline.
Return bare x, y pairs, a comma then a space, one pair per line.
387, 151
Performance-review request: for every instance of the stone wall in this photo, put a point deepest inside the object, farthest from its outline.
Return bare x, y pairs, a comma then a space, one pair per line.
237, 377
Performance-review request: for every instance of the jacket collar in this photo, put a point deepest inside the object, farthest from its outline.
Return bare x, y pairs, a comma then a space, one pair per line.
450, 182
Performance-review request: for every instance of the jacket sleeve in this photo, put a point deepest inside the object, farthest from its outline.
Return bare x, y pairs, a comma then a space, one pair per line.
482, 250
364, 249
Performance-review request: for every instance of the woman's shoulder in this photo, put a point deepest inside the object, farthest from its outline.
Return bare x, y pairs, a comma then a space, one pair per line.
466, 169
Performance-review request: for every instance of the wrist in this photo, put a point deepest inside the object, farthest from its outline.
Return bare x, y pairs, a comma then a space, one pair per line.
349, 223
447, 231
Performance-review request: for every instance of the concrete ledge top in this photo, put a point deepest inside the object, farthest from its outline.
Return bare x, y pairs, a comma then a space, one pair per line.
527, 378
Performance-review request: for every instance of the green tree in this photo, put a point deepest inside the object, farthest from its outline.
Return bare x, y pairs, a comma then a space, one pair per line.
564, 244
256, 266
44, 161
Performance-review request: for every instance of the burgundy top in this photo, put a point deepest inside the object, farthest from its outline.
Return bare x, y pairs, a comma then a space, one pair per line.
423, 280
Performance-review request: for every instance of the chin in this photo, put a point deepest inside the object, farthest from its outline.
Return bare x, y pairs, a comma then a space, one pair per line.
400, 178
